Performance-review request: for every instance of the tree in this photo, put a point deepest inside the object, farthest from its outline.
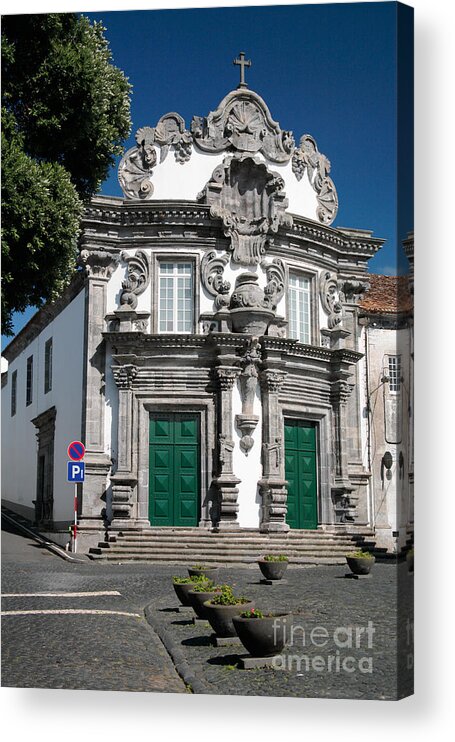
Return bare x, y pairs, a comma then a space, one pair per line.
65, 115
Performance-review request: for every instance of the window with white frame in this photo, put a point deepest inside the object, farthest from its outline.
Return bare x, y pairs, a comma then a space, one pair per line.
176, 300
299, 307
394, 374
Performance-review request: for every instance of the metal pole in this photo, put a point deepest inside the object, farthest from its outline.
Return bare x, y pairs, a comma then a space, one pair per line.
75, 518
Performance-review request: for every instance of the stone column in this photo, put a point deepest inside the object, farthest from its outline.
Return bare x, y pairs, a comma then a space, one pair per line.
272, 486
99, 266
226, 482
124, 480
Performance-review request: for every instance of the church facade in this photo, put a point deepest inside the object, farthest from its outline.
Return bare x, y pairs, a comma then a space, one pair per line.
218, 350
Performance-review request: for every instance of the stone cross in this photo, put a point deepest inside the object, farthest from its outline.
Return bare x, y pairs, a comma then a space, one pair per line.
242, 62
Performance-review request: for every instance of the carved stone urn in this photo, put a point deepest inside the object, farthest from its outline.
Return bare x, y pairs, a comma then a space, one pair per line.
250, 308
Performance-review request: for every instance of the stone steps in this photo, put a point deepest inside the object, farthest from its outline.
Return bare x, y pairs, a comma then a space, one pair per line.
183, 546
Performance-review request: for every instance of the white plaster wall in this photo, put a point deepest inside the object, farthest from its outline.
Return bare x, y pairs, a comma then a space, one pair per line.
391, 498
247, 468
19, 443
174, 180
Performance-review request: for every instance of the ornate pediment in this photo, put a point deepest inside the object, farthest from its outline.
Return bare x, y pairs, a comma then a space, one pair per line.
242, 122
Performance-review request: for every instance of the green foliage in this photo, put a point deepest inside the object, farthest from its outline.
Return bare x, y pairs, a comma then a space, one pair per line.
275, 558
196, 579
203, 587
65, 114
253, 613
227, 597
200, 567
360, 554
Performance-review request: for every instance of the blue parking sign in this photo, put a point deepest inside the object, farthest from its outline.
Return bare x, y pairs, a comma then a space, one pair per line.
76, 471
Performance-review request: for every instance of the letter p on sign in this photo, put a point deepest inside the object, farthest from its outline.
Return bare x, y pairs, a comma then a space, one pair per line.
76, 471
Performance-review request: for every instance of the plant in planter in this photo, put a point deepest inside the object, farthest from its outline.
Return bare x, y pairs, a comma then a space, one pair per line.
206, 570
263, 635
360, 562
273, 566
182, 586
223, 607
201, 592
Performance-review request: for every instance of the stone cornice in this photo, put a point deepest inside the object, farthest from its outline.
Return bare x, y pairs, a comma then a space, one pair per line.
43, 318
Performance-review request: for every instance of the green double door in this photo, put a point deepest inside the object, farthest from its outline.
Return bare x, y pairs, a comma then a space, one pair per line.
301, 473
174, 470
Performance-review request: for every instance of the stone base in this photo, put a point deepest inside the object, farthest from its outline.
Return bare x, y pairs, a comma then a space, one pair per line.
226, 641
352, 576
274, 528
254, 663
273, 582
200, 621
186, 609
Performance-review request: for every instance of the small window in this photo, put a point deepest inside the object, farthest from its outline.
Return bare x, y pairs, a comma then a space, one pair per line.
29, 389
395, 374
300, 308
176, 299
48, 366
13, 393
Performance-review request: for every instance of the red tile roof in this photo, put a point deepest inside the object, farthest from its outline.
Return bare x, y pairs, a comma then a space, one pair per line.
387, 295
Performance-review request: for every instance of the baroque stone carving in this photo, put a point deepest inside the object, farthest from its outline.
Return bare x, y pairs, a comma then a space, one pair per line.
212, 268
243, 122
138, 278
330, 294
226, 377
98, 263
248, 379
136, 166
351, 289
250, 201
307, 158
124, 375
250, 307
276, 281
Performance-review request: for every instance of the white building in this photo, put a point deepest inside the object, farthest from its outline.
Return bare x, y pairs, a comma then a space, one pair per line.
216, 351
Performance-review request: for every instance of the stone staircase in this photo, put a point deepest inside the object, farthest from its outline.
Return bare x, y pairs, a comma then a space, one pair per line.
242, 546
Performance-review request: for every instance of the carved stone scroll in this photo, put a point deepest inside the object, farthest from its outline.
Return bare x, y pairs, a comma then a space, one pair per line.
212, 268
276, 281
136, 166
308, 159
329, 292
138, 278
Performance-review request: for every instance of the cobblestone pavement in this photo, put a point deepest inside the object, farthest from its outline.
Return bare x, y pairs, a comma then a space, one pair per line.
115, 652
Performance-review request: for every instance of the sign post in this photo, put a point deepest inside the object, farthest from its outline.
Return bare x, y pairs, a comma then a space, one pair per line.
76, 473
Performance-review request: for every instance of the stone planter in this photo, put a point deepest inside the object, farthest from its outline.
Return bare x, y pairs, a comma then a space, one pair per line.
250, 309
360, 565
220, 616
182, 591
410, 560
263, 637
197, 600
272, 570
210, 572
251, 321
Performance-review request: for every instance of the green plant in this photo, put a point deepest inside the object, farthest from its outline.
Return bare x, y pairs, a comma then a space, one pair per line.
275, 558
253, 613
360, 554
410, 553
200, 566
227, 597
205, 587
187, 580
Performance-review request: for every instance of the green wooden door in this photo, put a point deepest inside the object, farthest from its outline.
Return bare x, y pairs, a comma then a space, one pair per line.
301, 473
174, 498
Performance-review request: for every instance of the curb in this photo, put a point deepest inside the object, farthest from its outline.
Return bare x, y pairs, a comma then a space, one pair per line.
177, 656
49, 545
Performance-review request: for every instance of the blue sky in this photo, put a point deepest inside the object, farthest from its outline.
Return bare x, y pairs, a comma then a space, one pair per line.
327, 70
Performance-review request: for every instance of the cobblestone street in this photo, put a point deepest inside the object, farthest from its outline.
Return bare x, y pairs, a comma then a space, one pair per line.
113, 644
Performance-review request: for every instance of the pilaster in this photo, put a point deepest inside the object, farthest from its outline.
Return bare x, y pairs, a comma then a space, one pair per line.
226, 482
272, 486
